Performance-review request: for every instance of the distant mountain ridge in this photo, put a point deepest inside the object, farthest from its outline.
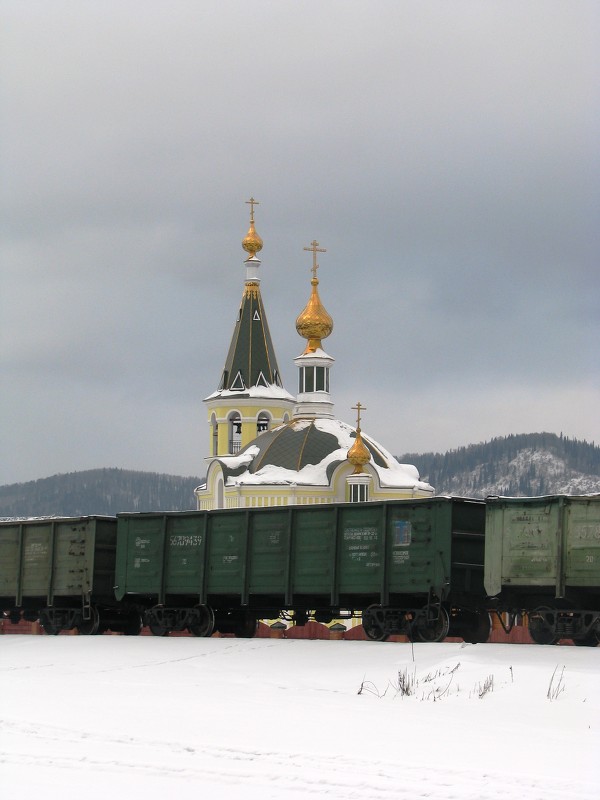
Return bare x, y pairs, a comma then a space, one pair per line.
520, 465
516, 465
98, 491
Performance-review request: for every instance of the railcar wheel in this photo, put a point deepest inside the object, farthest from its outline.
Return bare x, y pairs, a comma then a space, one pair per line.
46, 623
206, 622
133, 624
591, 640
89, 627
372, 622
246, 628
158, 630
14, 615
479, 631
539, 629
425, 629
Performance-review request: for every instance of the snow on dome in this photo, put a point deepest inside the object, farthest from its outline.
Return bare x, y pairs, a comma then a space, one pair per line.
305, 452
243, 458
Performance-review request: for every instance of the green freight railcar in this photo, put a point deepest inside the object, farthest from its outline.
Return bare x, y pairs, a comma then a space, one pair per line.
161, 565
430, 568
61, 571
542, 559
412, 567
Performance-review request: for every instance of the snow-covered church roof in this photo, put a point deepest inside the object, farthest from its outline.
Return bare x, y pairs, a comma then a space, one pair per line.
307, 452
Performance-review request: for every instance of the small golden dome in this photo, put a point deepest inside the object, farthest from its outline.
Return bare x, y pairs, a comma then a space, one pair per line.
314, 323
252, 243
358, 455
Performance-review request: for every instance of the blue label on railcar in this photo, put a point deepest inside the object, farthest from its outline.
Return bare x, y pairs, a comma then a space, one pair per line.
401, 532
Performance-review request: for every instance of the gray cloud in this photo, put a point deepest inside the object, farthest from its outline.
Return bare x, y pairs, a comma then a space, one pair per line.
444, 154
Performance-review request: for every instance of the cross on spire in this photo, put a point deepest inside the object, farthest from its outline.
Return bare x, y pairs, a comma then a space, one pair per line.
252, 202
314, 248
358, 407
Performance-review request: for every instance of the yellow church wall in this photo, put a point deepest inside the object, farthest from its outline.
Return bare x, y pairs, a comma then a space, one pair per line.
257, 496
222, 438
249, 412
270, 496
205, 498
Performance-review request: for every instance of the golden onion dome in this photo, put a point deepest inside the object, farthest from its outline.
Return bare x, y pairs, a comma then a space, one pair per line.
314, 323
358, 454
252, 243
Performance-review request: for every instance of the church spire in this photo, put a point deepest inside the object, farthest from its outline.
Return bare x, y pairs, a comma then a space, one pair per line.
251, 361
250, 378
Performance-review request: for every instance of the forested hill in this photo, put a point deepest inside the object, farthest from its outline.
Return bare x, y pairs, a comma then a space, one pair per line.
98, 491
518, 465
527, 464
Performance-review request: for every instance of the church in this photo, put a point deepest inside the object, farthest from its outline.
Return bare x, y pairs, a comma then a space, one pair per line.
269, 448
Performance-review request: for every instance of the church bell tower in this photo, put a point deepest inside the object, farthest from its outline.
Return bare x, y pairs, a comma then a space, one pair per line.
250, 397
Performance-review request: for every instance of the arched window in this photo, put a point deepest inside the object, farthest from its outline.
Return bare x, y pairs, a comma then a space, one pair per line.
262, 423
214, 435
219, 498
235, 432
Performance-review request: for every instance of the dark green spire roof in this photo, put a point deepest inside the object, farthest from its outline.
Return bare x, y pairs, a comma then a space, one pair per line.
251, 358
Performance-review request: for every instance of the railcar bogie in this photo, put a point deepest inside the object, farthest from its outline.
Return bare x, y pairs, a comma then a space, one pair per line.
427, 624
550, 623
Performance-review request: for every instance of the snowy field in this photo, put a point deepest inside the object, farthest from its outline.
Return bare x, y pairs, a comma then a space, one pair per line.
184, 718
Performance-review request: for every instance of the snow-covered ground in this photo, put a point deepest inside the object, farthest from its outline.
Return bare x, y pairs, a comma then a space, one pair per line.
184, 718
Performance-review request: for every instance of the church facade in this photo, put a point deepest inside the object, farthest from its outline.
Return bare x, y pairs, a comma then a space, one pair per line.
269, 448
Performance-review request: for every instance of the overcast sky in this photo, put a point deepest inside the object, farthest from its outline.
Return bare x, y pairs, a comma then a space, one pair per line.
444, 153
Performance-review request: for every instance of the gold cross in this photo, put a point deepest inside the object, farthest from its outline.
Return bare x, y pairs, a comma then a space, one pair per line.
252, 202
314, 247
358, 407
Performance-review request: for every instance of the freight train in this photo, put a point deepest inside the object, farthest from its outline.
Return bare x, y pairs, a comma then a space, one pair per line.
427, 568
